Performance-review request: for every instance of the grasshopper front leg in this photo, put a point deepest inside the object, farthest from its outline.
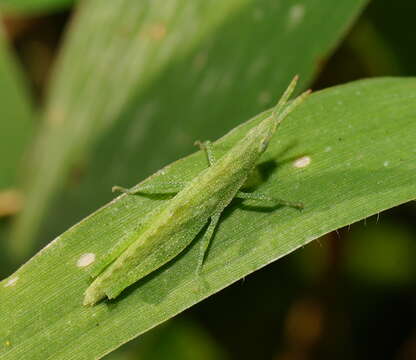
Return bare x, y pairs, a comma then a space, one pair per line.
170, 187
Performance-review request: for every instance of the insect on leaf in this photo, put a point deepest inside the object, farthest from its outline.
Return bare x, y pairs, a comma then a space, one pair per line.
166, 231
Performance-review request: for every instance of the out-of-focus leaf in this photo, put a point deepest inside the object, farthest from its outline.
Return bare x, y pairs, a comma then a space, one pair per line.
33, 6
16, 130
375, 54
16, 118
176, 340
392, 24
348, 152
381, 254
139, 81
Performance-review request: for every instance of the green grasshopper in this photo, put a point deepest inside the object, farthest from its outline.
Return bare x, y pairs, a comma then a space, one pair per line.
167, 230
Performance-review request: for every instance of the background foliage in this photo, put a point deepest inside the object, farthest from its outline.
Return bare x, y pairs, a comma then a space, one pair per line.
132, 86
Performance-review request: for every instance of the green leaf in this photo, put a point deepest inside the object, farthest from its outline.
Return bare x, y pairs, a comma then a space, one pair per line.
16, 118
139, 81
390, 26
33, 6
175, 340
348, 152
381, 255
16, 130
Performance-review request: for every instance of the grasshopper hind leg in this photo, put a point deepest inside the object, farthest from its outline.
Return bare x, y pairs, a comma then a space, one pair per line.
206, 240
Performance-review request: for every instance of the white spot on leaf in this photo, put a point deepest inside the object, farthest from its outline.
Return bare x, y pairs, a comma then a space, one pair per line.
11, 281
302, 162
86, 259
386, 163
296, 14
328, 149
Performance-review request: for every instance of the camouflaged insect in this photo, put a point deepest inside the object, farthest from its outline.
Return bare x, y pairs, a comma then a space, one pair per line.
167, 230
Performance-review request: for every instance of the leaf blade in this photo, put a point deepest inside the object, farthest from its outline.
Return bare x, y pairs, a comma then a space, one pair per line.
16, 126
33, 6
354, 172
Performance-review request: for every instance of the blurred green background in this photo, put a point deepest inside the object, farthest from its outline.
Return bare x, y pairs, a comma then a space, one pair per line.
349, 295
